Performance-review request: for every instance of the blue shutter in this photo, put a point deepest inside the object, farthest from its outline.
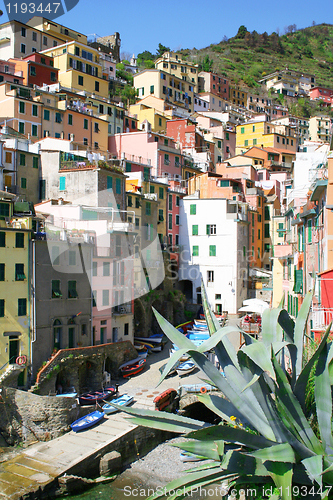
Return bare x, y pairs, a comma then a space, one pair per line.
62, 183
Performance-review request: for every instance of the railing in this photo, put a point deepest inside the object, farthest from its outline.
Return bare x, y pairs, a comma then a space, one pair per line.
123, 309
321, 318
126, 227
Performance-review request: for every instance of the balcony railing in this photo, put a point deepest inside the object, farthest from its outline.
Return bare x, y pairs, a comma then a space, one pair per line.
123, 309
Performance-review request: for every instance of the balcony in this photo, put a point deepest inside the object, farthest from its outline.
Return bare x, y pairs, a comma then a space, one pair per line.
119, 226
122, 310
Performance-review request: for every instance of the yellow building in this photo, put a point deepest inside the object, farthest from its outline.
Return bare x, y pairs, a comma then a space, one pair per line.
263, 134
237, 96
164, 86
15, 234
80, 68
184, 70
56, 30
156, 118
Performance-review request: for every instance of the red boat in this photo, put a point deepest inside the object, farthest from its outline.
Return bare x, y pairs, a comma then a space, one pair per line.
164, 399
91, 398
133, 369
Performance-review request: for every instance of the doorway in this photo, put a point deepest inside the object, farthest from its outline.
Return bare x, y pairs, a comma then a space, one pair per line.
14, 349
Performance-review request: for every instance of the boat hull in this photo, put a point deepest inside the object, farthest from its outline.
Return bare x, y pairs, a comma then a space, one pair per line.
88, 421
130, 370
95, 397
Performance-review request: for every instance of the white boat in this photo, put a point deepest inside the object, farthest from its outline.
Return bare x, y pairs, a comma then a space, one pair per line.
185, 368
123, 400
185, 357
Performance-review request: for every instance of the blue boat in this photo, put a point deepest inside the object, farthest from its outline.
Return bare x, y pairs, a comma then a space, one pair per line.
123, 400
87, 421
198, 336
185, 368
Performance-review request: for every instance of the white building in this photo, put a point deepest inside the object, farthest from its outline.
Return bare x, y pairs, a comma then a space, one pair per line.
214, 240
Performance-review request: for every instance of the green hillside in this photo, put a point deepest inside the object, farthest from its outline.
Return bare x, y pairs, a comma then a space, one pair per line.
247, 57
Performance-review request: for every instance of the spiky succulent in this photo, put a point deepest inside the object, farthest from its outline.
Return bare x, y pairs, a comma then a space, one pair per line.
278, 445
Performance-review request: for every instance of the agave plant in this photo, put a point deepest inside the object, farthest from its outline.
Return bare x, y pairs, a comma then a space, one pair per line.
278, 446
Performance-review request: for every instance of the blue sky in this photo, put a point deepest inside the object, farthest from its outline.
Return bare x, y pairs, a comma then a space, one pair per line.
186, 23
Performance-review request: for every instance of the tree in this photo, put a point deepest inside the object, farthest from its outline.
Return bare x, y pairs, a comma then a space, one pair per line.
161, 49
242, 30
206, 64
143, 56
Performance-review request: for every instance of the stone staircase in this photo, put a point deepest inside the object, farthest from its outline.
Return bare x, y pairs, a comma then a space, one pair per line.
11, 370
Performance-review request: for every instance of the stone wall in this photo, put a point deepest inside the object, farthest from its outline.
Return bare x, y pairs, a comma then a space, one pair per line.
27, 417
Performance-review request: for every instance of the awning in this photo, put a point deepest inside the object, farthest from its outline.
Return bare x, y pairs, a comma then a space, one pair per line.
320, 187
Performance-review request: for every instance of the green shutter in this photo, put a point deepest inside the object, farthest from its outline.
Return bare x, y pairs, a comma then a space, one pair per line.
195, 251
212, 251
266, 230
195, 230
109, 182
298, 286
193, 209
118, 186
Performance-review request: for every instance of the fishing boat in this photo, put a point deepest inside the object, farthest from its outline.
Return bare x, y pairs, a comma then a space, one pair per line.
196, 388
91, 398
164, 399
123, 400
67, 395
150, 340
87, 421
132, 369
172, 370
185, 368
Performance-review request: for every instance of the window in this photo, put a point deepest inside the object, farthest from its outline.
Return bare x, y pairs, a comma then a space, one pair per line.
46, 114
2, 272
170, 202
242, 130
34, 110
23, 32
72, 293
193, 209
211, 229
23, 48
45, 41
177, 201
258, 234
106, 298
22, 107
177, 220
195, 230
23, 183
32, 70
148, 208
22, 160
42, 60
72, 257
94, 298
106, 268
19, 272
22, 307
126, 329
195, 251
210, 276
246, 142
8, 157
254, 142
166, 159
70, 119
266, 230
170, 222
62, 183
2, 239
267, 215
53, 76
160, 216
94, 268
34, 36
212, 250
118, 186
58, 118
96, 128
109, 181
161, 193
2, 308
152, 89
19, 240
80, 80
55, 256
34, 130
97, 86
56, 292
219, 144
267, 247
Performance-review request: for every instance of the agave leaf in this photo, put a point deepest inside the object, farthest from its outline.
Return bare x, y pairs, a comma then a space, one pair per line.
231, 435
314, 468
271, 330
210, 343
240, 400
282, 475
291, 404
323, 397
249, 339
259, 355
222, 407
278, 453
172, 333
302, 381
206, 449
300, 326
254, 379
174, 358
225, 351
236, 462
163, 425
205, 466
287, 324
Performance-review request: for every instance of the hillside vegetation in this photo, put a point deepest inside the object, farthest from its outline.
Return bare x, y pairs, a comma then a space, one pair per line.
247, 57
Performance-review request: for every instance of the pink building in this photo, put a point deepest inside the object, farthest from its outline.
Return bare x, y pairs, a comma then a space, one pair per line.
322, 94
153, 149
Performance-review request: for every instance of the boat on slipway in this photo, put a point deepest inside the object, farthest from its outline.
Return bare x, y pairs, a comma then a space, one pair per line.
133, 368
123, 400
91, 398
87, 421
165, 399
185, 368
